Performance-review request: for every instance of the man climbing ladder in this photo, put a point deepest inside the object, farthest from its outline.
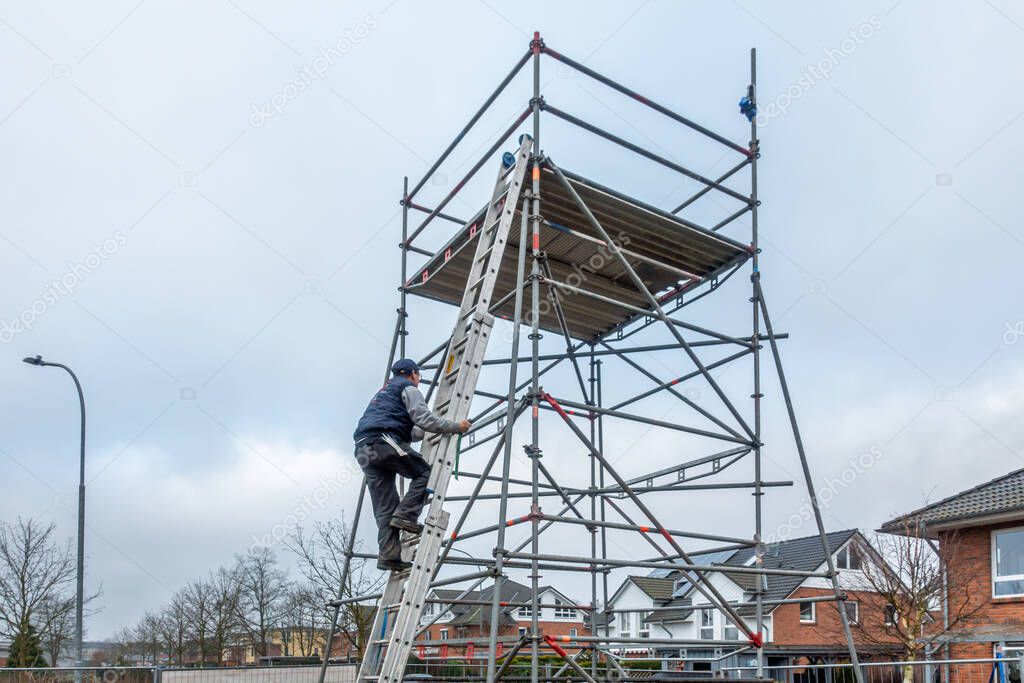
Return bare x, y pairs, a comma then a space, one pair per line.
396, 416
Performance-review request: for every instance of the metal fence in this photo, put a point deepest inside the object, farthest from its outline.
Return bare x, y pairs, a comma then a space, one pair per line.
340, 673
989, 670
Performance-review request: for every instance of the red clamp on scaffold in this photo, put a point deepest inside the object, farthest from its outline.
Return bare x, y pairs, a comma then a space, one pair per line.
757, 640
556, 647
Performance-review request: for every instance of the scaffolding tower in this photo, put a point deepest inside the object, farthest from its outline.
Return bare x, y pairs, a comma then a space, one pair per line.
644, 266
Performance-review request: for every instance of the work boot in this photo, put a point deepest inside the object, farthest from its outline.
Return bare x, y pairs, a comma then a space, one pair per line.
406, 525
393, 565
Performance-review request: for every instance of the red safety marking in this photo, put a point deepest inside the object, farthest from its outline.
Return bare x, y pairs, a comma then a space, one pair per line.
503, 604
555, 646
469, 650
536, 42
536, 172
510, 522
472, 231
447, 254
536, 241
500, 650
666, 534
535, 411
554, 404
453, 535
676, 381
426, 274
644, 529
564, 639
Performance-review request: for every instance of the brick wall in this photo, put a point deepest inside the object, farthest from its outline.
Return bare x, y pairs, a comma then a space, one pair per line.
968, 553
970, 582
827, 628
550, 628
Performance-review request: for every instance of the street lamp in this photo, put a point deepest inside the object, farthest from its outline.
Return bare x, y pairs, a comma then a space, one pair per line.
38, 360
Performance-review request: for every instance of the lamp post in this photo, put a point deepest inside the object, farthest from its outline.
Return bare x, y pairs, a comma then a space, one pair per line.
80, 579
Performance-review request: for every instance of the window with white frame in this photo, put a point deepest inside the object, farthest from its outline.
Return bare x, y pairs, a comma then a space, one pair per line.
573, 633
1008, 563
852, 608
625, 623
848, 558
707, 624
730, 631
522, 630
808, 613
526, 612
562, 611
444, 634
643, 626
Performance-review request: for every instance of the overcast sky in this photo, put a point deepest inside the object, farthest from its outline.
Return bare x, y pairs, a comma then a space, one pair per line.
226, 248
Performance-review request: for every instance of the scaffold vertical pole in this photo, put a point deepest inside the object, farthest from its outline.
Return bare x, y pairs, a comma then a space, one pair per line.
756, 352
535, 278
510, 418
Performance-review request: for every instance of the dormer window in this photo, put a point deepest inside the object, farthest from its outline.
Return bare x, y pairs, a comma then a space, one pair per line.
562, 611
848, 558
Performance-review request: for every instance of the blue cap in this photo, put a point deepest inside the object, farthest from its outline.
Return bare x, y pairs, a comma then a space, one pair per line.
406, 366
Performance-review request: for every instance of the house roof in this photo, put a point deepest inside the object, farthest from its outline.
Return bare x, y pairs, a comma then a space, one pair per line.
801, 554
511, 591
1001, 495
656, 588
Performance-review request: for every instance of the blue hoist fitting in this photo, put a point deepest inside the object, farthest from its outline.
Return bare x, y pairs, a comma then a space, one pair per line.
508, 159
748, 108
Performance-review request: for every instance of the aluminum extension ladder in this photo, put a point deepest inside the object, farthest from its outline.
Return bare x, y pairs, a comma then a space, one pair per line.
398, 615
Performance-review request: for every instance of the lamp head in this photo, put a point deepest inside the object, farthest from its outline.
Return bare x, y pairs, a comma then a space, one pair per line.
38, 360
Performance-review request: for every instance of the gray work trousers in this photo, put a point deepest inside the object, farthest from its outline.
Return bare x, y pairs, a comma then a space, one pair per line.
380, 464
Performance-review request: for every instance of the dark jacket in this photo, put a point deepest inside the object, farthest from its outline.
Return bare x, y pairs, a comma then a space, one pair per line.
387, 413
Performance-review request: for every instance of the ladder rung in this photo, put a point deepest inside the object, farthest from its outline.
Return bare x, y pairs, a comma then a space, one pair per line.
486, 253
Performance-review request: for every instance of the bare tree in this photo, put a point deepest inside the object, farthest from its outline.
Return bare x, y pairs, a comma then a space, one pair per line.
147, 637
175, 628
198, 599
321, 552
37, 583
56, 617
261, 599
306, 630
223, 614
905, 582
